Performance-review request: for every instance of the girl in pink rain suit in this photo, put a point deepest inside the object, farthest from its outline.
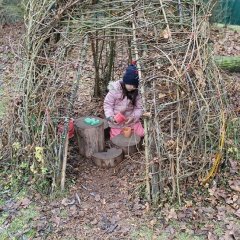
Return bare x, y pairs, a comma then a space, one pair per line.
123, 98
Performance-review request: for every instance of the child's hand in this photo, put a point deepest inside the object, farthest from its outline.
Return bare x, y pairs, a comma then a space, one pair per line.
129, 120
112, 120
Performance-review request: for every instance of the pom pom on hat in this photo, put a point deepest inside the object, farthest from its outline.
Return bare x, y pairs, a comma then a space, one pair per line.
131, 75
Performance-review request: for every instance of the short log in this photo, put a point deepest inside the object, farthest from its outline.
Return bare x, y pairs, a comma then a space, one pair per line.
90, 138
128, 145
108, 159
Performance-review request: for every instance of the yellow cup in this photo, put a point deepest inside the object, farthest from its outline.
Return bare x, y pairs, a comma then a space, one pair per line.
127, 132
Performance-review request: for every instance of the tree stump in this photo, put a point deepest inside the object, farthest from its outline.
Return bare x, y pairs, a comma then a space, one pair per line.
128, 145
90, 138
108, 159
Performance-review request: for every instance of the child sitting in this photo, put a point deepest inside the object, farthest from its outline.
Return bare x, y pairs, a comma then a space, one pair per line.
123, 99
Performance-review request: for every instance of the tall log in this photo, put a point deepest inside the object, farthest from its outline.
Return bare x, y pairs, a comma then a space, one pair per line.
230, 63
230, 27
90, 138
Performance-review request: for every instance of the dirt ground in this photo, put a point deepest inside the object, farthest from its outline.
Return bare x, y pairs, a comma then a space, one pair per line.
109, 203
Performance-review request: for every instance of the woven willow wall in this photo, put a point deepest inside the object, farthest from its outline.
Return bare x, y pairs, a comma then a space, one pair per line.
180, 86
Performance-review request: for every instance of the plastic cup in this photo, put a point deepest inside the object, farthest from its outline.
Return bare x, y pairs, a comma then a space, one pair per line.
127, 132
119, 118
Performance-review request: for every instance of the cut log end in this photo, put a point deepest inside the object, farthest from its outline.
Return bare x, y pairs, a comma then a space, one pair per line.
128, 145
108, 159
80, 123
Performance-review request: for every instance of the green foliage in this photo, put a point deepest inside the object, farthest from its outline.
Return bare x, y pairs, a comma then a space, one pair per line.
233, 139
230, 63
231, 27
11, 2
186, 236
143, 233
20, 223
2, 105
146, 233
11, 11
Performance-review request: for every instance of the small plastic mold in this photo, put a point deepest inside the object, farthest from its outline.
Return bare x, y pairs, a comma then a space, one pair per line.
91, 121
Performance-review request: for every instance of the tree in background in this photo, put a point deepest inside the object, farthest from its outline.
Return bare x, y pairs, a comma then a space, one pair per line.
11, 11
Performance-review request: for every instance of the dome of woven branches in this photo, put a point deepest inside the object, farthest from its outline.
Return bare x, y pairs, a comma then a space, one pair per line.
183, 95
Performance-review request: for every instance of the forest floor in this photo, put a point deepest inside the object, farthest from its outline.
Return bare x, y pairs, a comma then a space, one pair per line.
109, 204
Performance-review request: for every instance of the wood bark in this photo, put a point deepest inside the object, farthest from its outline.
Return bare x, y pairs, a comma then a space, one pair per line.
230, 63
128, 145
90, 138
108, 159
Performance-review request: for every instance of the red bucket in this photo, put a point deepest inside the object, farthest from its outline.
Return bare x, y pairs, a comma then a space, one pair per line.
119, 118
70, 128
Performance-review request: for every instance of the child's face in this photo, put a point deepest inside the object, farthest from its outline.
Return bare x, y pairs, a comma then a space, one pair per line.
130, 87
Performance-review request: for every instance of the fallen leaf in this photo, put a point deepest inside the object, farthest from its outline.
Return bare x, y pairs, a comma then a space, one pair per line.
111, 228
97, 198
211, 236
233, 166
67, 202
172, 215
94, 221
73, 210
229, 235
211, 191
25, 202
153, 222
56, 211
169, 229
137, 206
221, 215
147, 207
229, 201
189, 231
166, 33
188, 203
161, 95
56, 220
235, 185
125, 230
237, 213
81, 214
235, 198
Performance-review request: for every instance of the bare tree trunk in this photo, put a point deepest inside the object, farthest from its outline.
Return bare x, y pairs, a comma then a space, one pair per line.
94, 46
111, 58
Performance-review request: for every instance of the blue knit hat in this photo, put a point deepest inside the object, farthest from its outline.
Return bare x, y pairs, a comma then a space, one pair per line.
131, 75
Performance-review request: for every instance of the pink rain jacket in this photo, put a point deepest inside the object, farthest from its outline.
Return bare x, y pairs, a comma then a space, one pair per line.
113, 104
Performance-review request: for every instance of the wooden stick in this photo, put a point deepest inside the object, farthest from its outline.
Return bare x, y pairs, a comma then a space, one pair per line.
166, 20
78, 199
70, 106
64, 163
146, 144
